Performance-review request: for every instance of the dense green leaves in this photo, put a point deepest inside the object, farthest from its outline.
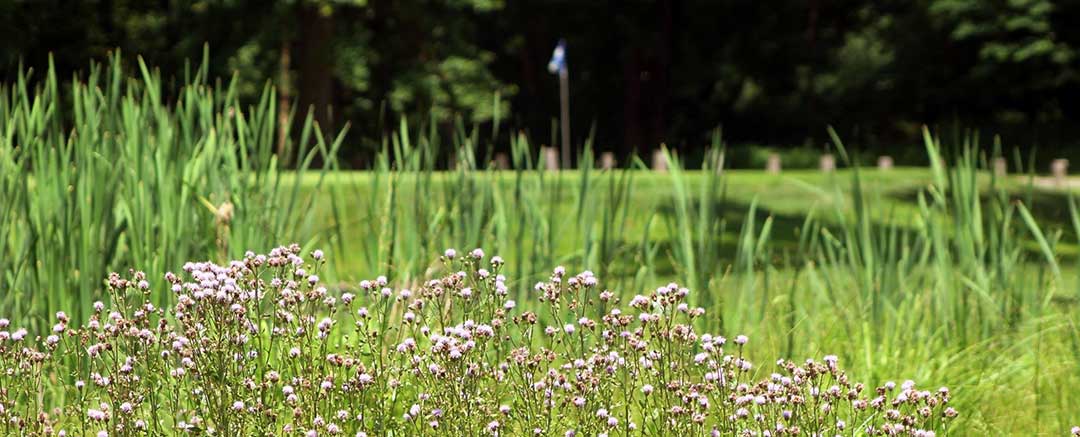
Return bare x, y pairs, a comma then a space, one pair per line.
643, 72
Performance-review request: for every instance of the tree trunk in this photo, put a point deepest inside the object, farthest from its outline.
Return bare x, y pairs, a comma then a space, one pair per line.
661, 81
315, 83
632, 101
812, 17
284, 101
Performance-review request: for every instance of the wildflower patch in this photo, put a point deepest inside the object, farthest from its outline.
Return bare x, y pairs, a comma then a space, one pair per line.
260, 346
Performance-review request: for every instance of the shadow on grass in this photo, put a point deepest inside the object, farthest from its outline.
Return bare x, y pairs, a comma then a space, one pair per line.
1049, 208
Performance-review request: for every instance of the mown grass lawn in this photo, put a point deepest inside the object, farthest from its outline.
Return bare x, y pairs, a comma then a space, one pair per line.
788, 198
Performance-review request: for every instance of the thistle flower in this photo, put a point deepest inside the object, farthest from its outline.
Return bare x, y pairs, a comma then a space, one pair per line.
97, 415
831, 360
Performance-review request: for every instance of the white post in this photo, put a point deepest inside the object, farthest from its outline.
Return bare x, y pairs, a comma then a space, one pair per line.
772, 164
1001, 167
884, 162
550, 157
1060, 169
659, 161
827, 163
607, 160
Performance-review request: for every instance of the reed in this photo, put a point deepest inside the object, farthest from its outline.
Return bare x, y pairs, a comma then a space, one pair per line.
106, 171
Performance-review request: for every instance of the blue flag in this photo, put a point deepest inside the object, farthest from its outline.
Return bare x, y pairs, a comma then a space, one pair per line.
558, 57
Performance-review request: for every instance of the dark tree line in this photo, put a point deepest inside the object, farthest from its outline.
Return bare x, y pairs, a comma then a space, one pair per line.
642, 72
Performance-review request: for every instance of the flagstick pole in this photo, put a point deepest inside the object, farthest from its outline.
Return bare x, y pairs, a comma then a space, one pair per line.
564, 97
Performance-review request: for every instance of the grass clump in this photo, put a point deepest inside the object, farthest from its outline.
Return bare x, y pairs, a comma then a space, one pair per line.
261, 346
106, 170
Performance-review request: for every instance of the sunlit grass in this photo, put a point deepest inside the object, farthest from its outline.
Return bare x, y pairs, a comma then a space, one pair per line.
943, 274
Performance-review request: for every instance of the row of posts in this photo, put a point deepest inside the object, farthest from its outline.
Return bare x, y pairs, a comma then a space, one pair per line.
1059, 168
